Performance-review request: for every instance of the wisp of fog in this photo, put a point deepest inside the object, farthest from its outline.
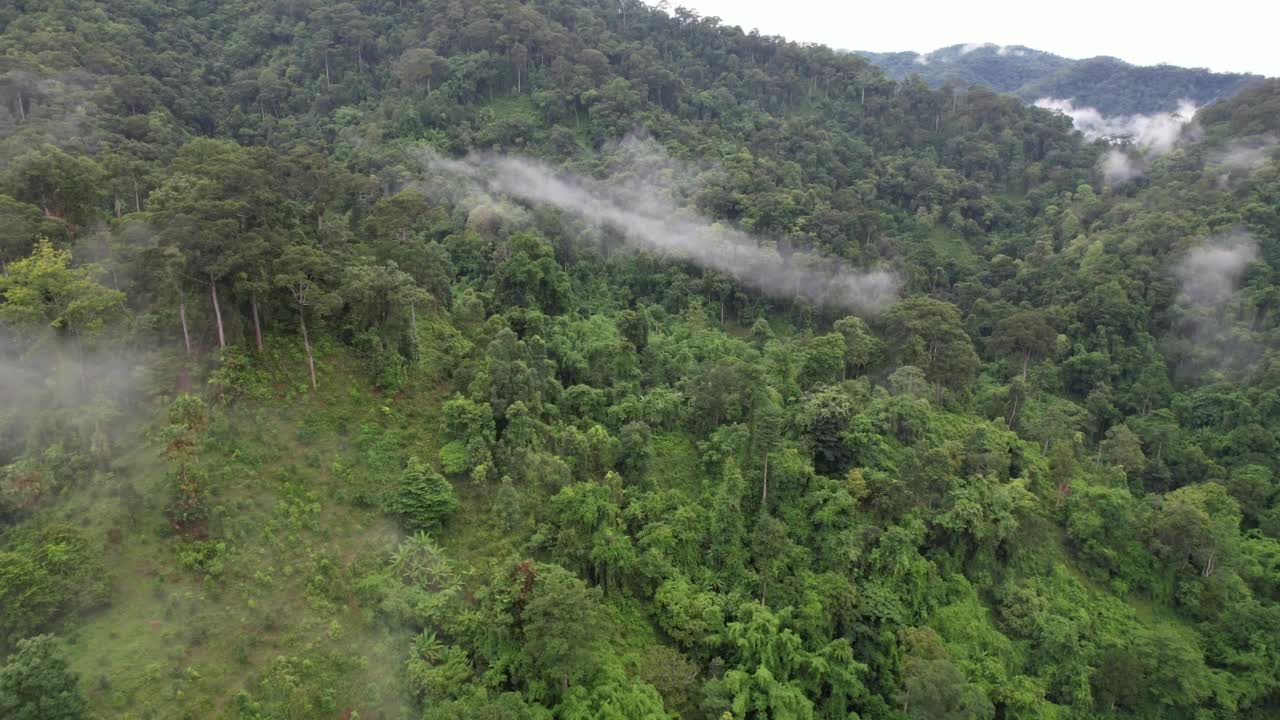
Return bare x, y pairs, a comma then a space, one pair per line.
1151, 135
1209, 276
1246, 153
1210, 272
1157, 132
652, 223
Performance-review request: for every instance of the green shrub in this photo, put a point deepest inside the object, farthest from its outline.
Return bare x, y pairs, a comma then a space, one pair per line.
37, 684
453, 456
189, 503
44, 575
390, 370
424, 499
206, 557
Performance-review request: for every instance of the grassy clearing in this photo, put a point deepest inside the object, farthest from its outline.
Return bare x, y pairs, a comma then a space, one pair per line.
263, 603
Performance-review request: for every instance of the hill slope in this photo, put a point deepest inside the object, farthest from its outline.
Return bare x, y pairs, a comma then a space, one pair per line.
1110, 85
1001, 68
574, 359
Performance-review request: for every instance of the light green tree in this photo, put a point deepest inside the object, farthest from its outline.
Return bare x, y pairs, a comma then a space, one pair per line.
44, 293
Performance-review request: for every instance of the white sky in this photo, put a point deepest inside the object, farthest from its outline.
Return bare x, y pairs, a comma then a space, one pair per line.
1223, 35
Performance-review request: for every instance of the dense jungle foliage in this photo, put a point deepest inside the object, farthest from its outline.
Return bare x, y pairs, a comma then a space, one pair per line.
290, 428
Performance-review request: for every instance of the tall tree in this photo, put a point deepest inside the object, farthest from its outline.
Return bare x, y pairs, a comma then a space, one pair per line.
217, 208
929, 334
861, 347
64, 185
418, 67
1026, 334
305, 270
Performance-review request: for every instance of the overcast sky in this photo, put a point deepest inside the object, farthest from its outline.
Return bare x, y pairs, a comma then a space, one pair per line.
1224, 35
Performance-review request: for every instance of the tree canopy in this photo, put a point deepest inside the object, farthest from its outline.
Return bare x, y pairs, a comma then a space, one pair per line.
585, 359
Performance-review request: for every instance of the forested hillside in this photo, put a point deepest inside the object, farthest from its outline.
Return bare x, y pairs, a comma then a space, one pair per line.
1117, 88
578, 359
1107, 84
1001, 68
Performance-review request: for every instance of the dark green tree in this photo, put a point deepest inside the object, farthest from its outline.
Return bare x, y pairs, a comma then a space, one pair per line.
929, 334
37, 684
424, 499
1024, 335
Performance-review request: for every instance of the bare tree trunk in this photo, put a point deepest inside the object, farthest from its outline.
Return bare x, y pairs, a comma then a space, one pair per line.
327, 83
217, 312
22, 112
413, 322
182, 315
306, 343
764, 496
1026, 360
257, 326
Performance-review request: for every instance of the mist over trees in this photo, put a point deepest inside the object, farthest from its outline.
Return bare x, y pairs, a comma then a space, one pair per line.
452, 359
1107, 84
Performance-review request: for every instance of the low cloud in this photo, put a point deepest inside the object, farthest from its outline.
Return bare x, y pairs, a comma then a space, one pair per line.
1138, 139
638, 201
1119, 166
1000, 50
1157, 133
1210, 273
38, 108
1246, 154
1207, 336
61, 395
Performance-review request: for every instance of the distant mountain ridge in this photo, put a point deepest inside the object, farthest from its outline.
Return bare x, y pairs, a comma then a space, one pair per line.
1111, 85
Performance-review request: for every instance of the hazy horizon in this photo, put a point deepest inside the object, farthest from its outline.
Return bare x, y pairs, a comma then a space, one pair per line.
1138, 33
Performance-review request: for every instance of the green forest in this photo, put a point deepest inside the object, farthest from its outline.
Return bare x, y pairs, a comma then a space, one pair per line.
569, 359
1108, 84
